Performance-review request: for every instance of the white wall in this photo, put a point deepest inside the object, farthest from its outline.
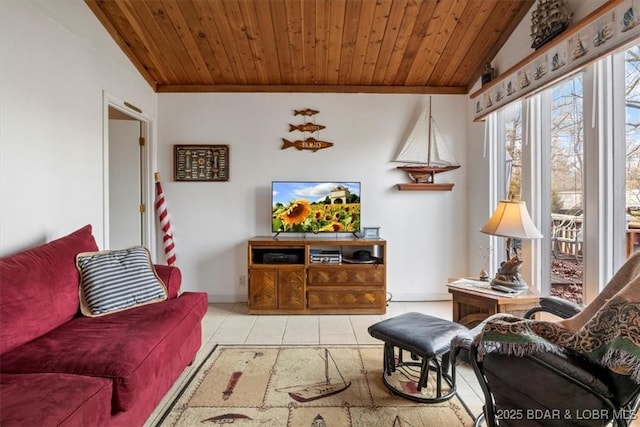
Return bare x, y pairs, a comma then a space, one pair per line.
52, 77
426, 231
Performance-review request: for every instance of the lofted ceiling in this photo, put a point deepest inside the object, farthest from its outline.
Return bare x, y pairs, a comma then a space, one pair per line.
371, 46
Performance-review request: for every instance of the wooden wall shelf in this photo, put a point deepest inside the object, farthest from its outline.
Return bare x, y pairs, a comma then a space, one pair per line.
413, 186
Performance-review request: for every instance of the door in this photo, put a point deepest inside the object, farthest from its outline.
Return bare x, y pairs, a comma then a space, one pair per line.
291, 292
262, 289
126, 204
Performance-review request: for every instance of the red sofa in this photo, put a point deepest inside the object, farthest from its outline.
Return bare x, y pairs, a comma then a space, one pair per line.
58, 367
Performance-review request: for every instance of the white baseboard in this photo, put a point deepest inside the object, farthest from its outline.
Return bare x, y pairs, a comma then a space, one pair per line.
436, 296
226, 299
230, 299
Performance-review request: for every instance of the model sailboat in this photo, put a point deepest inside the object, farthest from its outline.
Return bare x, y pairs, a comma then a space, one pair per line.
425, 153
309, 392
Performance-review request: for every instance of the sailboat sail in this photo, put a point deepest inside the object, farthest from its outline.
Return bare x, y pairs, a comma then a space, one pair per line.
425, 152
418, 150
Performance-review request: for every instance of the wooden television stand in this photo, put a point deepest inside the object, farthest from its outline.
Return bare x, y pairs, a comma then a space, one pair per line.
283, 279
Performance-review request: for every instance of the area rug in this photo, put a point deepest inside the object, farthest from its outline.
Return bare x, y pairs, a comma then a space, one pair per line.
313, 386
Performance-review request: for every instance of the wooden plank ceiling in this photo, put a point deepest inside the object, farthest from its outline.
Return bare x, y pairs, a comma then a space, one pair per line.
375, 46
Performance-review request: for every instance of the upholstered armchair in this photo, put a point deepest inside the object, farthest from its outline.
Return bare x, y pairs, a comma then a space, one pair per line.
555, 386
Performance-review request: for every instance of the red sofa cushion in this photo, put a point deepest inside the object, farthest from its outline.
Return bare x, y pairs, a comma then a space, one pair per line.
39, 288
130, 347
54, 400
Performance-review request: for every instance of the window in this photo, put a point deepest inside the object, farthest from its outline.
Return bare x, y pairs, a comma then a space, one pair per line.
513, 146
566, 190
632, 157
572, 147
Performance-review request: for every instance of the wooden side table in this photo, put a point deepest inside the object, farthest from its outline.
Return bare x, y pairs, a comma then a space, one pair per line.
471, 307
633, 238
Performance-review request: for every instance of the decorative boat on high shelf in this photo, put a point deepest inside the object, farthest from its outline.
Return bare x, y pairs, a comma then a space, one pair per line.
309, 392
550, 18
629, 20
602, 35
579, 50
425, 154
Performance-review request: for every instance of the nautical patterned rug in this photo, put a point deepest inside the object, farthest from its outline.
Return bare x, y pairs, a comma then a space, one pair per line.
297, 386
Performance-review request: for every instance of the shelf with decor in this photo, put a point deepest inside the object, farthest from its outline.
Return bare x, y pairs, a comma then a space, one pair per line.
425, 154
419, 186
604, 30
316, 275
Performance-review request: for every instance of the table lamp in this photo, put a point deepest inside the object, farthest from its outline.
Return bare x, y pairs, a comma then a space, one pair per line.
511, 220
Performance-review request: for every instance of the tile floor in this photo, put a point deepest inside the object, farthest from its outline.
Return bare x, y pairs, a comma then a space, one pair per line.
230, 324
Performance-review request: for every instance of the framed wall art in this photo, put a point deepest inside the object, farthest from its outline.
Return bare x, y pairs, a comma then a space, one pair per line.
201, 162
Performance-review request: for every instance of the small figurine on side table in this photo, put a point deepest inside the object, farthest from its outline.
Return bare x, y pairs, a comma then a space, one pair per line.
509, 274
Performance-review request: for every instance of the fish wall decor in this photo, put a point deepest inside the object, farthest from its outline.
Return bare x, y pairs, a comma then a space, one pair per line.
307, 127
308, 144
305, 112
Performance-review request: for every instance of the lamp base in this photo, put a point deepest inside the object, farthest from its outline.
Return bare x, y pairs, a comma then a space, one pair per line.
519, 285
509, 275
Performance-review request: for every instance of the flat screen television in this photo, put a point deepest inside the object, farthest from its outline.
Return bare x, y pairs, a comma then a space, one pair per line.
315, 207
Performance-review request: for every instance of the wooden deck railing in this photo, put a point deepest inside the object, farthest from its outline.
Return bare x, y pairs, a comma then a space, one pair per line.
566, 236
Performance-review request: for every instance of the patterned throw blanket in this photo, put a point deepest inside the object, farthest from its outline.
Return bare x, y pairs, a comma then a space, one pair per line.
607, 331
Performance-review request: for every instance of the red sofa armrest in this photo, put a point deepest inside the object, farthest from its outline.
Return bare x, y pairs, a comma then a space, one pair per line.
171, 277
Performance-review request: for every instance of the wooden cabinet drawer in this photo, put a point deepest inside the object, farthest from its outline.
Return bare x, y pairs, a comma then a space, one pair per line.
347, 276
347, 298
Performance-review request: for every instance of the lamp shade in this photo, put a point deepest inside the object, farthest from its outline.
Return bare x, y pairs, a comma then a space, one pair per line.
511, 219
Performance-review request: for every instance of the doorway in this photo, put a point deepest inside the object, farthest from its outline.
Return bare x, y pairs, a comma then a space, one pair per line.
125, 187
128, 204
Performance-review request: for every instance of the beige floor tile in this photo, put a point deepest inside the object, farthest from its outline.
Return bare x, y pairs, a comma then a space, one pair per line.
366, 339
264, 339
327, 339
364, 320
229, 335
334, 325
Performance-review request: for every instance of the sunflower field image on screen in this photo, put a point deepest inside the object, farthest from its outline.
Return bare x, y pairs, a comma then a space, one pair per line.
315, 207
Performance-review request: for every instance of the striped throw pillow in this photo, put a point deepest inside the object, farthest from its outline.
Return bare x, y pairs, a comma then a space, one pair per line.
117, 280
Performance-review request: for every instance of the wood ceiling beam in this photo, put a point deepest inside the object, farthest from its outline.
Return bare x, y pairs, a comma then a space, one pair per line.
434, 90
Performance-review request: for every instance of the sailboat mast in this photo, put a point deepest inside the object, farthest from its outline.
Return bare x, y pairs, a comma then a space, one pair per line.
326, 364
429, 138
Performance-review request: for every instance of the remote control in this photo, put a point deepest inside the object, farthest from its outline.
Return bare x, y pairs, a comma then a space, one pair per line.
504, 289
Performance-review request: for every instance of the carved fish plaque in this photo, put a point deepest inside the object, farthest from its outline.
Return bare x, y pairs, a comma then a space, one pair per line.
307, 127
307, 112
308, 144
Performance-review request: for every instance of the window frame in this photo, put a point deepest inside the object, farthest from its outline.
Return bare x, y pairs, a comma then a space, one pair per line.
605, 231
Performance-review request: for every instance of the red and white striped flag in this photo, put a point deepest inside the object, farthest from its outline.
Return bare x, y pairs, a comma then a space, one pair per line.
165, 224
